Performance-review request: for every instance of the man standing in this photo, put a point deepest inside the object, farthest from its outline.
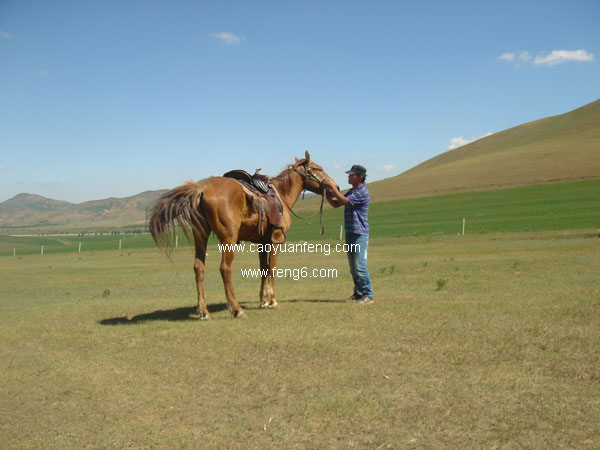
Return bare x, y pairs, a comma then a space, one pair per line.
356, 213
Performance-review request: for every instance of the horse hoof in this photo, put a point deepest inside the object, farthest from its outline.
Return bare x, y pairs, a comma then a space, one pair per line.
240, 315
274, 305
199, 316
263, 305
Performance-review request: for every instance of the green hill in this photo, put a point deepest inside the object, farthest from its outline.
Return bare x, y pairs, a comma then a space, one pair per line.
555, 149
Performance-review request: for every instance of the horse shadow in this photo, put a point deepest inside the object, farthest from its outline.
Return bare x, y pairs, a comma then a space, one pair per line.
183, 314
169, 315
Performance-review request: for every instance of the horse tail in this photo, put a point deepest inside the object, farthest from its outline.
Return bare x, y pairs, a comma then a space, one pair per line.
180, 206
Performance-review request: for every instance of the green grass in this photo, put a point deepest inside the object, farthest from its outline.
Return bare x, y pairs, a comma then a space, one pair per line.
563, 206
98, 350
29, 245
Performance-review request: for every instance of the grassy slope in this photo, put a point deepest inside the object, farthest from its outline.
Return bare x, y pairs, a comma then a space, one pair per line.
560, 148
555, 149
561, 206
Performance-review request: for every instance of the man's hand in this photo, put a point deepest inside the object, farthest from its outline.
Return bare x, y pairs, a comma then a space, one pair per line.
331, 184
333, 195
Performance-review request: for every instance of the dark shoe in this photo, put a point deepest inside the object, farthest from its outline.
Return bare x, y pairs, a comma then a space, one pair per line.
354, 297
366, 300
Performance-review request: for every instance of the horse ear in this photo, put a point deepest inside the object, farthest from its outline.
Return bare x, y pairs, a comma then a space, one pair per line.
307, 155
297, 160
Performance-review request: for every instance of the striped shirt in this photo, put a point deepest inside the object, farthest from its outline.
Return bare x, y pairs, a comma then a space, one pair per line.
356, 215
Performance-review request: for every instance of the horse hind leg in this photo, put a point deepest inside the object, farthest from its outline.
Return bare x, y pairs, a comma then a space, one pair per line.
226, 262
200, 271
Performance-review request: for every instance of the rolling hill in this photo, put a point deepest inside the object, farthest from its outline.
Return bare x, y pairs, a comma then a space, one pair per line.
27, 210
554, 149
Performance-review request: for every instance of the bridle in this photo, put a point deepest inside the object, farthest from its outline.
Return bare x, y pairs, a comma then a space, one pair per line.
309, 175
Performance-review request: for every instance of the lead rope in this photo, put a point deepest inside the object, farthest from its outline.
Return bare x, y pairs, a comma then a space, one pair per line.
321, 213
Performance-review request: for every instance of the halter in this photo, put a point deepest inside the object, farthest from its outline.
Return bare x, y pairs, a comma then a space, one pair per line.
310, 175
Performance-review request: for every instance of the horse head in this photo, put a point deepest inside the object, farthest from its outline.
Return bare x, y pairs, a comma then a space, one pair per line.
314, 175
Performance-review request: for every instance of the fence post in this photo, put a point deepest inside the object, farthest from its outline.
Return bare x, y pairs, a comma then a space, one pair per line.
79, 251
464, 222
119, 244
42, 250
341, 231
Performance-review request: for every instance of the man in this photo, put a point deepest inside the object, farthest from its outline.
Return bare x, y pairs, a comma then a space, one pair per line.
356, 202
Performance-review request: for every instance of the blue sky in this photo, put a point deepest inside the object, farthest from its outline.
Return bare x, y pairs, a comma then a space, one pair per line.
112, 98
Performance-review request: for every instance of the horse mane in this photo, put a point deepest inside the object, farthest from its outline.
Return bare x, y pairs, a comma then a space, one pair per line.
284, 179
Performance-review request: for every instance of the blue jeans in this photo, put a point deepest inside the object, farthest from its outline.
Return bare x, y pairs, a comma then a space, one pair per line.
357, 257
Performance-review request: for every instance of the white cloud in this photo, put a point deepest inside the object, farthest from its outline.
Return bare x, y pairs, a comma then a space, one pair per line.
517, 59
554, 58
563, 56
4, 35
460, 141
2, 168
338, 167
228, 38
387, 167
457, 142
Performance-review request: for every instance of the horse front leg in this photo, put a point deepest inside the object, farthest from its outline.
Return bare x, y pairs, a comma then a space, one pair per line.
264, 273
226, 262
270, 281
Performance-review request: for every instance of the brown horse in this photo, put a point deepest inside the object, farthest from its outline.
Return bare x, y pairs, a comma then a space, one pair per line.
219, 205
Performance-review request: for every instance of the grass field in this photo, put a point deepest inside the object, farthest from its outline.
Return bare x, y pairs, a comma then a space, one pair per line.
481, 341
562, 206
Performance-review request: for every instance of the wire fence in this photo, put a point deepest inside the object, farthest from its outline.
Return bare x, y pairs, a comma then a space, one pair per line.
16, 246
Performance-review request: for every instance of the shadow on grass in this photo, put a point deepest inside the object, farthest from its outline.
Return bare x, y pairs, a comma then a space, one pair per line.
183, 314
171, 315
303, 300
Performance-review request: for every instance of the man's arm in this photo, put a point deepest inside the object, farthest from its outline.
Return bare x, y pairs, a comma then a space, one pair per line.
338, 198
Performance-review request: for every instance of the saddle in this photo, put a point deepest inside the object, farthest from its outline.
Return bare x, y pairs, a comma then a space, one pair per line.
265, 200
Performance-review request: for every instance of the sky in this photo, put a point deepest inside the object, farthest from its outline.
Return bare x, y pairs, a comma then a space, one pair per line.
112, 98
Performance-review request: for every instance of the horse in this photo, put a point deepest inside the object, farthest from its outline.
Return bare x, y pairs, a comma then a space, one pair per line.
220, 205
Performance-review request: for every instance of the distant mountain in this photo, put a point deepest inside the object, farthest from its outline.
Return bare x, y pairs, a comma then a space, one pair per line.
25, 202
27, 210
